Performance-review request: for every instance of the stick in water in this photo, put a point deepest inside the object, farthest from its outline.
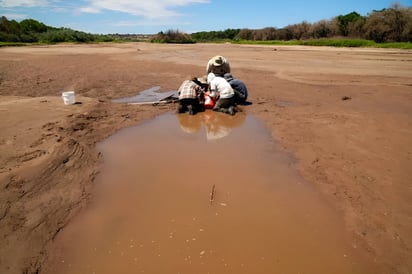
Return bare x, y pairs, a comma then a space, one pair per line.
212, 194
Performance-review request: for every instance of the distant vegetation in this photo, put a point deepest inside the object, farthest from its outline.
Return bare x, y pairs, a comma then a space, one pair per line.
173, 36
32, 31
391, 27
341, 42
388, 25
205, 36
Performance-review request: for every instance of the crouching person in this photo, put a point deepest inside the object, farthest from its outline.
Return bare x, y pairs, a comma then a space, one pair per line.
239, 87
221, 89
191, 96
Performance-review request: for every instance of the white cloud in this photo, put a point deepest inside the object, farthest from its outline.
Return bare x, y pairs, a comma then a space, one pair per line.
90, 10
144, 22
15, 16
23, 3
145, 8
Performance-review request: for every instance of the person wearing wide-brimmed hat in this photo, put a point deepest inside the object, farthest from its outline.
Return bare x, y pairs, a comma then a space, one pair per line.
218, 65
191, 96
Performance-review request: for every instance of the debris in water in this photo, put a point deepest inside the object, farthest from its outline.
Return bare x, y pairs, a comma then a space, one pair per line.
223, 204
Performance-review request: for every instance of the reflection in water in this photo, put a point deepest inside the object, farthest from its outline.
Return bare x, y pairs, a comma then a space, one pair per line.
216, 124
151, 209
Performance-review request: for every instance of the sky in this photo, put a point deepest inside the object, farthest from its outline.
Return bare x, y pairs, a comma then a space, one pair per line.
153, 16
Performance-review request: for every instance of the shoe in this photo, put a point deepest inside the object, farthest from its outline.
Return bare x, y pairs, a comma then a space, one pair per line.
180, 109
231, 110
190, 108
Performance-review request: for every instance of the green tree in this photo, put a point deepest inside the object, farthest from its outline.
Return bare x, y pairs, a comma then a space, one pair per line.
230, 33
4, 24
9, 27
32, 26
344, 21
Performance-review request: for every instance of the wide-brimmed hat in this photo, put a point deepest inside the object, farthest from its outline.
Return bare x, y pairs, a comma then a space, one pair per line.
218, 60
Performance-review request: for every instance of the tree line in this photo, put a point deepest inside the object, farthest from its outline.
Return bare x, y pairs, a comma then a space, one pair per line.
393, 24
32, 31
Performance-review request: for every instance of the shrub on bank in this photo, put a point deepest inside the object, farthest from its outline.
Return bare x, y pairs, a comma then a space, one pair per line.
172, 36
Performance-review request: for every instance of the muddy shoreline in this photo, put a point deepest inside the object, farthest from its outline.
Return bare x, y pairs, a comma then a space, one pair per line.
357, 152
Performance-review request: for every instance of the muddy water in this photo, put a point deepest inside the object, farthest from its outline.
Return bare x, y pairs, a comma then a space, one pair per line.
153, 211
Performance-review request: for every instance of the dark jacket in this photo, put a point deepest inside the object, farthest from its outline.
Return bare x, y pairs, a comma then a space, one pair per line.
238, 86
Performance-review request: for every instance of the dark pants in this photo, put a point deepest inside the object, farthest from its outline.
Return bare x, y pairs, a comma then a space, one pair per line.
240, 98
183, 103
240, 90
224, 103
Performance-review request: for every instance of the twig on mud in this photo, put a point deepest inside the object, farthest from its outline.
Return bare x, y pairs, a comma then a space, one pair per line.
212, 194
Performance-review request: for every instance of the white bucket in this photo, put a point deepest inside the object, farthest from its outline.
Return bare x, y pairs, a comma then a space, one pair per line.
68, 97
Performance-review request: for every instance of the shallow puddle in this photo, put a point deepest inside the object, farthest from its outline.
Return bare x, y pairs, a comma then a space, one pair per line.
209, 193
149, 96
